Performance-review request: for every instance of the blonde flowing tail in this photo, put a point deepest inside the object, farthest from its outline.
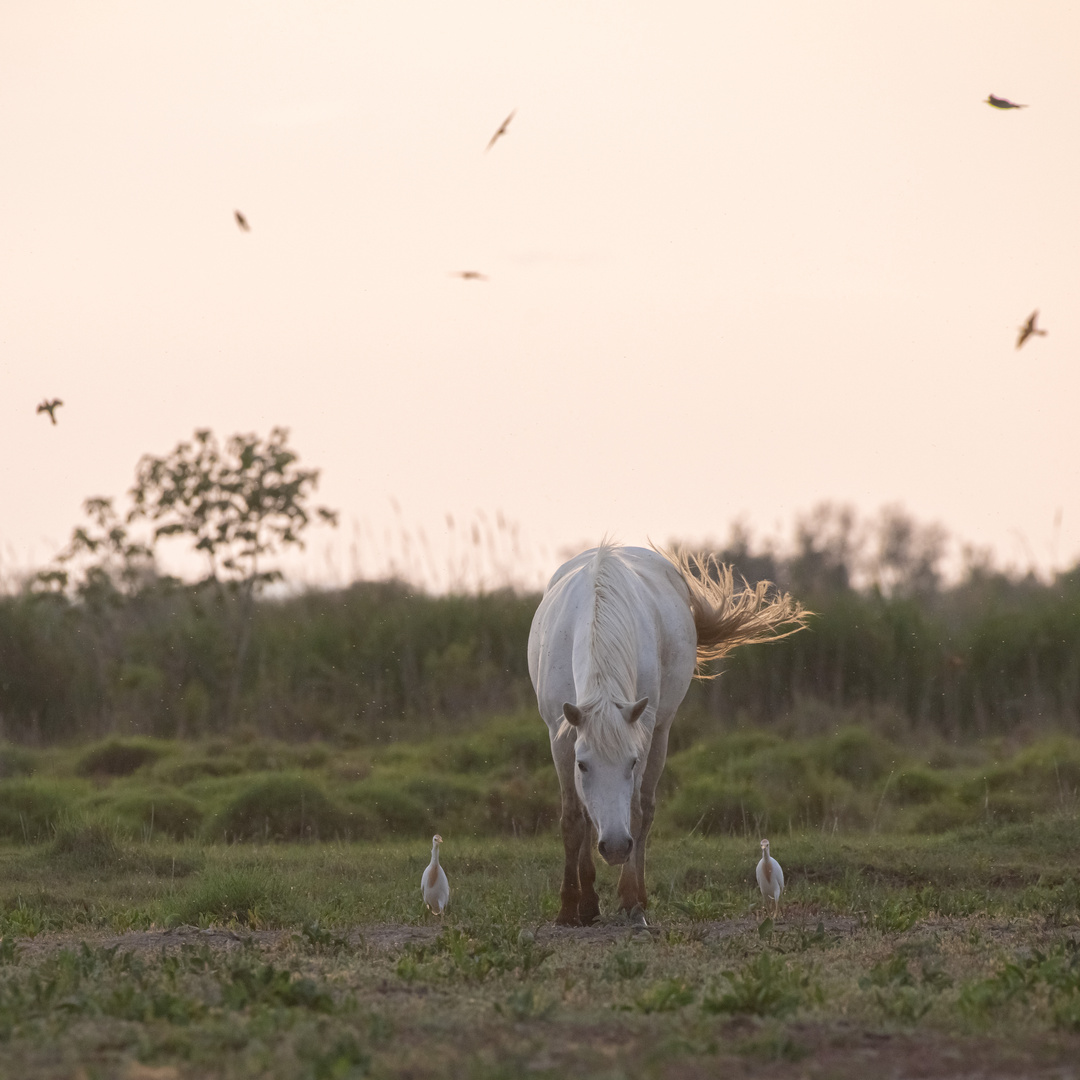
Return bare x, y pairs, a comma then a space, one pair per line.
724, 618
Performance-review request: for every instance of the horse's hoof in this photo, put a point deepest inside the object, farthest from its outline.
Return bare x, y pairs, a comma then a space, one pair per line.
636, 917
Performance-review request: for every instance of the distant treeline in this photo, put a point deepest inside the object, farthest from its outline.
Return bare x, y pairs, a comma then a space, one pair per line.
988, 655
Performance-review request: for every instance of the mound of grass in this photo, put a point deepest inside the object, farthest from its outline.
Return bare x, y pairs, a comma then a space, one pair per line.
88, 845
745, 783
858, 756
30, 808
282, 807
245, 896
186, 770
120, 757
918, 785
381, 807
156, 811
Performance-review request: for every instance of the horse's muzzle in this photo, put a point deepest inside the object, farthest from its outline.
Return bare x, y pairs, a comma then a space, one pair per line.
615, 853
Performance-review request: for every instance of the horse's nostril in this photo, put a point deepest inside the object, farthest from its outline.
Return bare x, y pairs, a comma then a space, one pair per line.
602, 848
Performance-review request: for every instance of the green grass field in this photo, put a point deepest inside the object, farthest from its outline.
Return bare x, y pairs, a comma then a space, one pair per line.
251, 909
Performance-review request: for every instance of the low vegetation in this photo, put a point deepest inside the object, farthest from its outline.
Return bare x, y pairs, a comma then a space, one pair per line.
244, 907
499, 781
122, 956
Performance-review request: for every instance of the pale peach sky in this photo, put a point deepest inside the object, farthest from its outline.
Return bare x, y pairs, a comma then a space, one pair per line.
742, 258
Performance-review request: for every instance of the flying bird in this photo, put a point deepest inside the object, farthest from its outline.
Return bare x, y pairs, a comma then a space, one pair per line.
50, 407
1029, 328
242, 221
501, 132
469, 275
770, 877
1003, 103
433, 885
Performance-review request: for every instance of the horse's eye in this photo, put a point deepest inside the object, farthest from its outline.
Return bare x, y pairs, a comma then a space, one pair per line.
582, 766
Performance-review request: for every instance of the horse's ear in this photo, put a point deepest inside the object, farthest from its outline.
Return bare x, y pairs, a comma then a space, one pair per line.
572, 714
632, 713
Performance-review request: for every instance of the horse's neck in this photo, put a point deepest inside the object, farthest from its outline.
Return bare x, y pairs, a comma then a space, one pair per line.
609, 658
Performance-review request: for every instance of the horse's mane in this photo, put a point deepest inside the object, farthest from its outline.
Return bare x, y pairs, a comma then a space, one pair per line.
611, 674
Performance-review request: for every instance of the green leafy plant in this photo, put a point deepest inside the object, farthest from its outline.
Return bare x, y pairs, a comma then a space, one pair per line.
765, 986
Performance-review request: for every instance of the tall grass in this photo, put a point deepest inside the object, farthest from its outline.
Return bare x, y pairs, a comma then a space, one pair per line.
891, 644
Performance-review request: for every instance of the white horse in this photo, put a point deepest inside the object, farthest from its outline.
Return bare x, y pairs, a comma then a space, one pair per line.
613, 647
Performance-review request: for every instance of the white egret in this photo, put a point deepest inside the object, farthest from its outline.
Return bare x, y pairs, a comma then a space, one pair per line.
433, 884
770, 878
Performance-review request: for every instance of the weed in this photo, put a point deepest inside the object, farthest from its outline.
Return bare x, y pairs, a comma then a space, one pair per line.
623, 964
765, 986
699, 906
343, 1059
894, 915
665, 996
525, 1004
320, 939
252, 983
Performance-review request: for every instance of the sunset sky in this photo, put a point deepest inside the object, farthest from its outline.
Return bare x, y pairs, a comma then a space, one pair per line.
741, 258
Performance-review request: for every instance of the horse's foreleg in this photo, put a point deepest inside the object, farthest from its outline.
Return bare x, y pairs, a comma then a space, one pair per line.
589, 905
632, 894
631, 884
576, 834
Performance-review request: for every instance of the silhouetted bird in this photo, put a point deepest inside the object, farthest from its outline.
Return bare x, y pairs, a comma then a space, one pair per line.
1029, 328
469, 275
1003, 103
501, 132
50, 407
242, 221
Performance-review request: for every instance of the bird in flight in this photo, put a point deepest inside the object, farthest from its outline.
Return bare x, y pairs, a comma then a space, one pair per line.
50, 407
1003, 103
469, 275
1029, 328
501, 132
242, 221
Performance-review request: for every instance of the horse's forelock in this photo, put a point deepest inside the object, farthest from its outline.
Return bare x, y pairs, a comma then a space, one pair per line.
608, 732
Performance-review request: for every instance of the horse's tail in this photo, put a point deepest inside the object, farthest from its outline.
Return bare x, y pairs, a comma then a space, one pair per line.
724, 618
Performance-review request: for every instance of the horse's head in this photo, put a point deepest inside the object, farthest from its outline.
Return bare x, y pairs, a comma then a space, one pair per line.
610, 748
